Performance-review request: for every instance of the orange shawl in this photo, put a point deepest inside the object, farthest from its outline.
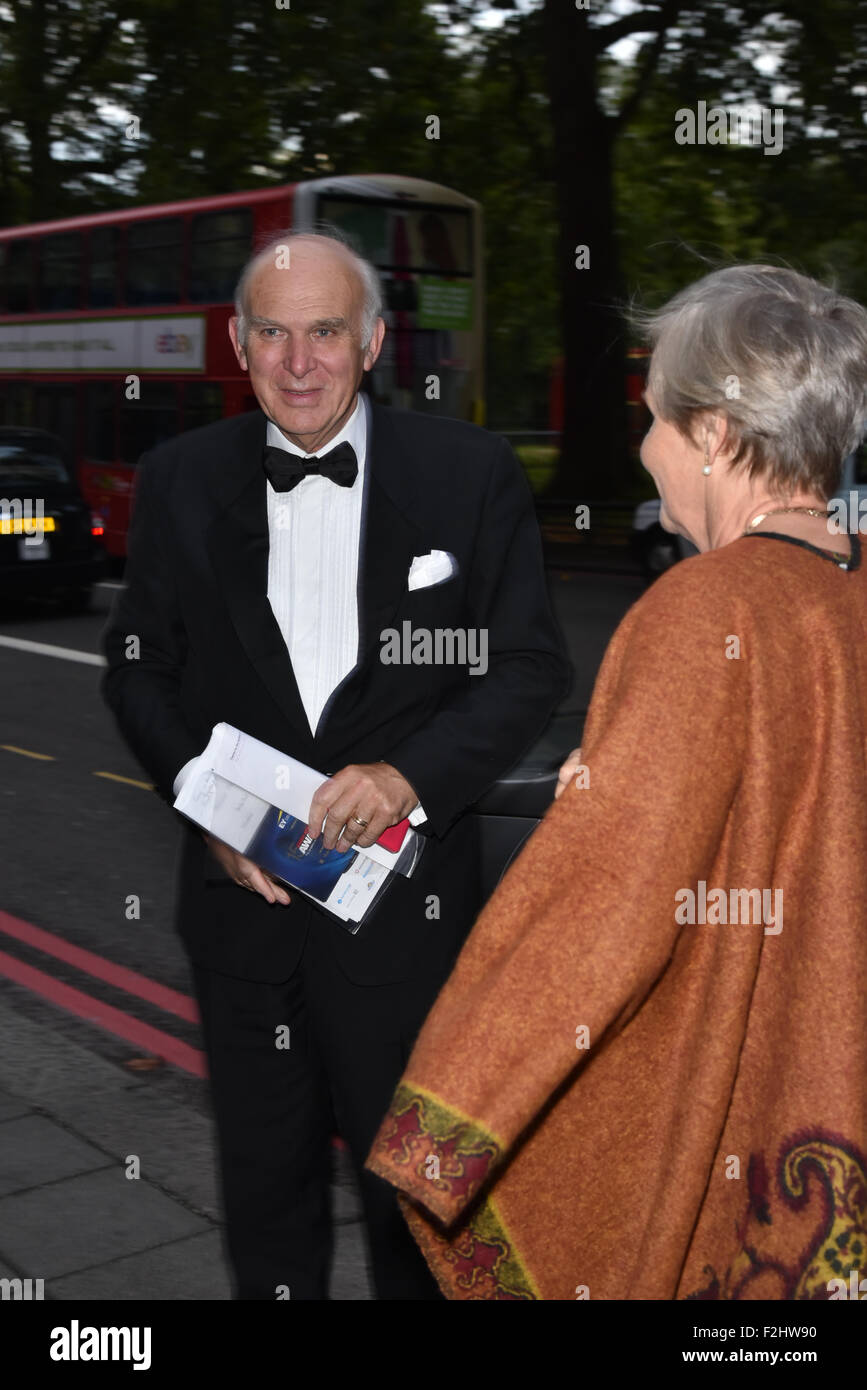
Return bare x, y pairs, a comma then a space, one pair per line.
608, 1099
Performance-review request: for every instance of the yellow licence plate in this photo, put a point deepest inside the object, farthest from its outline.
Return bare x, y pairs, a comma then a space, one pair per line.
26, 525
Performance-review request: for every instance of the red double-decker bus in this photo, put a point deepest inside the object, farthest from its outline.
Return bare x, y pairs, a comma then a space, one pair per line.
113, 327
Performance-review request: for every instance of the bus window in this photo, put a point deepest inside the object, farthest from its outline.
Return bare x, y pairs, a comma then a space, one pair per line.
221, 243
60, 271
55, 409
99, 418
101, 289
424, 255
432, 240
19, 277
150, 420
153, 261
203, 403
16, 403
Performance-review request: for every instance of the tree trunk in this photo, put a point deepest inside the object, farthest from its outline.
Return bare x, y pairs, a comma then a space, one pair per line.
36, 113
594, 458
42, 177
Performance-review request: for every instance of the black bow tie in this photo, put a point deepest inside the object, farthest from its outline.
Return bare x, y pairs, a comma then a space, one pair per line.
286, 470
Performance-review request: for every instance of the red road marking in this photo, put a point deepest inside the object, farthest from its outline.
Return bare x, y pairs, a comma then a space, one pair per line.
84, 1006
130, 981
115, 1021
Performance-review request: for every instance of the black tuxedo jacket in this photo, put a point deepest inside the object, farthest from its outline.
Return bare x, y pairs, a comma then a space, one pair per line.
210, 649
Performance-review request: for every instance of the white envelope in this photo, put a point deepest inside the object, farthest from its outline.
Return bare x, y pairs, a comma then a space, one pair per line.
238, 777
434, 568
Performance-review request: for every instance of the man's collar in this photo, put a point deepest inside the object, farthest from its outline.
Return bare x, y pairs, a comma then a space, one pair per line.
354, 432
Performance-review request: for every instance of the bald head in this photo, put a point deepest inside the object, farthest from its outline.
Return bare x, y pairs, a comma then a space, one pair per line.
289, 248
308, 327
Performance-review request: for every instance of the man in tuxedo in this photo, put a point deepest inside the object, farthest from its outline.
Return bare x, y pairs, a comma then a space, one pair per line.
268, 555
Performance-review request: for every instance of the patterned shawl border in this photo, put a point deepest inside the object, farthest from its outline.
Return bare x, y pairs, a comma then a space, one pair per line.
817, 1170
477, 1259
432, 1152
448, 1116
477, 1262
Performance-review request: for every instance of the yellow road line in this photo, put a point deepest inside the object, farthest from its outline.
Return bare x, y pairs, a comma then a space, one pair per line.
130, 781
49, 758
27, 753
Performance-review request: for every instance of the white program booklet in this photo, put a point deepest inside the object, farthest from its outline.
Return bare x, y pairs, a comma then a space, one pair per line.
257, 800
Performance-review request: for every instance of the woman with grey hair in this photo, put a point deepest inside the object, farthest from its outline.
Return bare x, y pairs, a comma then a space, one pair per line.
647, 1074
760, 373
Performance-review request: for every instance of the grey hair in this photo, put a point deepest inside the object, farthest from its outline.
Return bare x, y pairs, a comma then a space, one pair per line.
367, 274
781, 357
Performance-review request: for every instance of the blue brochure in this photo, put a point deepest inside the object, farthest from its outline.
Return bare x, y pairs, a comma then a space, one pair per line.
283, 848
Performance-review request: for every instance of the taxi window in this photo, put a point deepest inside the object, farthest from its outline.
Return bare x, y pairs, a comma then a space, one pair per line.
29, 463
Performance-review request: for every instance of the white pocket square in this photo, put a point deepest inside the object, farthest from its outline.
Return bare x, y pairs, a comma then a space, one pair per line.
431, 569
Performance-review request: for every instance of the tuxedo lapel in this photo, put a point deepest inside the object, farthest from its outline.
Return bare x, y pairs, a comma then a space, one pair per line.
237, 543
390, 536
388, 545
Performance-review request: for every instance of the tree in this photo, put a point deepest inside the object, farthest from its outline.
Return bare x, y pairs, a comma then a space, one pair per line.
639, 202
593, 447
60, 63
567, 143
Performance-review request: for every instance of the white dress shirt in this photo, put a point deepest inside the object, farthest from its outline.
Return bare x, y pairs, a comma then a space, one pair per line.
314, 533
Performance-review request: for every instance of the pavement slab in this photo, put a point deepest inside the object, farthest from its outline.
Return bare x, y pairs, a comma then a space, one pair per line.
69, 1120
88, 1220
186, 1270
35, 1150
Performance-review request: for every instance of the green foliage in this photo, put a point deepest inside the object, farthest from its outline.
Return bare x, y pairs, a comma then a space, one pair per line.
682, 209
232, 96
61, 61
539, 462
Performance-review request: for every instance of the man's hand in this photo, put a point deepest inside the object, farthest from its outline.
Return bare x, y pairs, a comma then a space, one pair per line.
567, 772
371, 792
245, 873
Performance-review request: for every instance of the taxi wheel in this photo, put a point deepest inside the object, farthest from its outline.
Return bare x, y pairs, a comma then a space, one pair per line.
77, 600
